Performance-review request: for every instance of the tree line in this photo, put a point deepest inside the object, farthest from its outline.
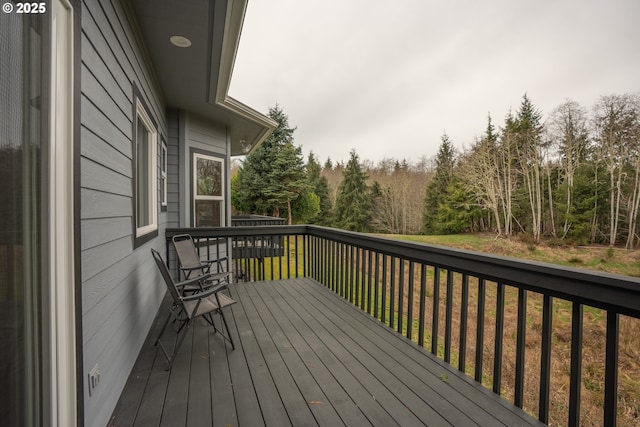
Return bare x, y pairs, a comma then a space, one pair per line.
574, 177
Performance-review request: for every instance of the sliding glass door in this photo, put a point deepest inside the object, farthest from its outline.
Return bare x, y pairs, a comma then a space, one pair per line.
22, 160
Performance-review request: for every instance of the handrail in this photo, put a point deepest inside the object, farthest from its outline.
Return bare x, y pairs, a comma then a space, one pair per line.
388, 279
597, 289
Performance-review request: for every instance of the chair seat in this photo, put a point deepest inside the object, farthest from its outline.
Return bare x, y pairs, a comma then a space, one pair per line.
208, 304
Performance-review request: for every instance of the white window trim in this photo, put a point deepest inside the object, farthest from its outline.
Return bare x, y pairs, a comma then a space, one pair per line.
163, 172
195, 197
141, 113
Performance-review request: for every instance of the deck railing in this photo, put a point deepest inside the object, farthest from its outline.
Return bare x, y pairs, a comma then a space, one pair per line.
475, 311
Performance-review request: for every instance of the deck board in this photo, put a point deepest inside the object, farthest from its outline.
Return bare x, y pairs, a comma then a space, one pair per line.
304, 356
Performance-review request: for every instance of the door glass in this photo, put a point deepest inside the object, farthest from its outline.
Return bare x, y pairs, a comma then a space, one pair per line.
21, 162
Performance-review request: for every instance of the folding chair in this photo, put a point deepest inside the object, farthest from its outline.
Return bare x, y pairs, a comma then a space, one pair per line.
190, 261
185, 309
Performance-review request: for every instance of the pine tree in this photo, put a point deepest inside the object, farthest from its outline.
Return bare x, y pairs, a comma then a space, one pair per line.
437, 188
286, 179
320, 187
272, 177
353, 202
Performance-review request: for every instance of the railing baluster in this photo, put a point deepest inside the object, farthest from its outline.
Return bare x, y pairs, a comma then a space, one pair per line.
576, 364
276, 254
436, 310
376, 285
356, 267
392, 295
497, 358
423, 301
410, 301
369, 280
305, 256
448, 317
464, 308
401, 297
521, 340
611, 369
321, 260
329, 268
363, 278
384, 289
341, 269
336, 266
545, 359
350, 262
327, 262
265, 242
295, 254
287, 248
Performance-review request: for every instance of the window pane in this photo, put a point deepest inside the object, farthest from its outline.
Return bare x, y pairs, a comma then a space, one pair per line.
143, 207
22, 359
163, 174
209, 177
208, 213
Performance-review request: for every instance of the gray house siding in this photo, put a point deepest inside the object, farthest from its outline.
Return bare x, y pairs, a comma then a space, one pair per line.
173, 148
121, 290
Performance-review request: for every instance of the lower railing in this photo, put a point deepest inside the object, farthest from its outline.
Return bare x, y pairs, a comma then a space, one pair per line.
518, 327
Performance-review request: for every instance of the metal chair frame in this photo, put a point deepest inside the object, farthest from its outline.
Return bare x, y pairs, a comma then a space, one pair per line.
186, 308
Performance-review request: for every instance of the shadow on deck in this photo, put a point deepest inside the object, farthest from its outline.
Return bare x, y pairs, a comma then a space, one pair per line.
304, 356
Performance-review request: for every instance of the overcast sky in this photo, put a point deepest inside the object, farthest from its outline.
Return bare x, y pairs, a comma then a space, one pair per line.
388, 78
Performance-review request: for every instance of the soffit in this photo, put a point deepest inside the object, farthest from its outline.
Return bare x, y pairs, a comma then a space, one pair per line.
196, 78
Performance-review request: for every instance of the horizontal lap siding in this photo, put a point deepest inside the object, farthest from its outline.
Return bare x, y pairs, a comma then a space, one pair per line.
206, 136
173, 144
120, 287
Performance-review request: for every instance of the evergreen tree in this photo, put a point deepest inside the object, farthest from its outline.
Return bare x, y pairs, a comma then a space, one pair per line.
319, 186
286, 179
353, 202
328, 164
457, 213
437, 188
271, 177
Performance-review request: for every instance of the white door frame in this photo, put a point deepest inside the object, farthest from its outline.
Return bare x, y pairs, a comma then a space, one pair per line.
61, 211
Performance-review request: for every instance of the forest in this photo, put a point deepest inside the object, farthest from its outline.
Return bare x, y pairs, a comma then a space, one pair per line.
572, 176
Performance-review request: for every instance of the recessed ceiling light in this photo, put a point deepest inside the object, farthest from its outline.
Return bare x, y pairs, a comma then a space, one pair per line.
180, 41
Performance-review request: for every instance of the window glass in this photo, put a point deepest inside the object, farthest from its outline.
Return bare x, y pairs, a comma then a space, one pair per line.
163, 174
208, 213
145, 172
209, 176
208, 184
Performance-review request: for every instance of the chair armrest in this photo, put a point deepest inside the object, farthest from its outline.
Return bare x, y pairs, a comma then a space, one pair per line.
211, 261
208, 292
193, 280
193, 268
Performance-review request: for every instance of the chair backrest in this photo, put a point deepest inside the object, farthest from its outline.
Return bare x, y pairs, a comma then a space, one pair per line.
168, 280
186, 250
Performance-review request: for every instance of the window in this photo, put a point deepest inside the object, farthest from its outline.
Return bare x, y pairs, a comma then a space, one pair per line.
145, 176
163, 175
208, 191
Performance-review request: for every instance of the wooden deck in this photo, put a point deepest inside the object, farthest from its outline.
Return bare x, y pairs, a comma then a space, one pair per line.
303, 356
